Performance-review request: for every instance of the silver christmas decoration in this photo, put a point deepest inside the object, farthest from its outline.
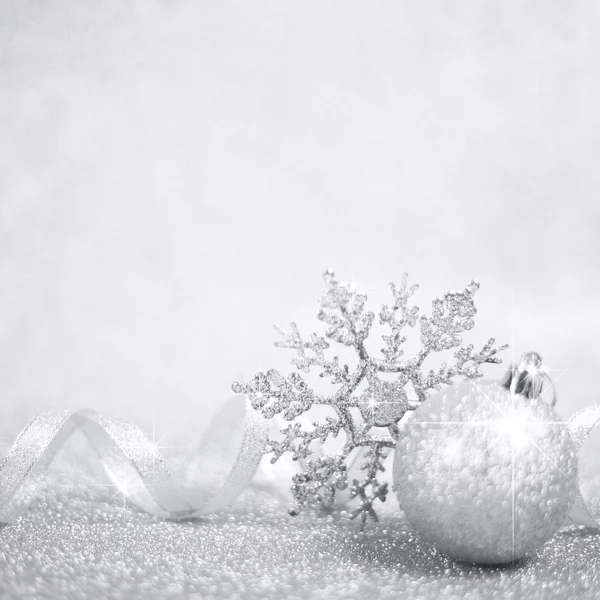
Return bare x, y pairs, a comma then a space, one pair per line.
367, 418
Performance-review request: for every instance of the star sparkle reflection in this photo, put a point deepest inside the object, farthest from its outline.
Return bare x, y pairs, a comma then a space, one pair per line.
128, 481
514, 427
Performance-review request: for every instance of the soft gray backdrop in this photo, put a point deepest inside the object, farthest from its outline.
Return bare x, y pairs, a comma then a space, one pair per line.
175, 176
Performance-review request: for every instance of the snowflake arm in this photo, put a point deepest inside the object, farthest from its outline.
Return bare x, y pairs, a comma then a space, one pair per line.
370, 489
389, 315
352, 325
298, 441
318, 483
452, 315
465, 355
315, 356
273, 394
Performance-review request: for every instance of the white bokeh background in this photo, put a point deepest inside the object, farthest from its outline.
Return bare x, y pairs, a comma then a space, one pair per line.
175, 176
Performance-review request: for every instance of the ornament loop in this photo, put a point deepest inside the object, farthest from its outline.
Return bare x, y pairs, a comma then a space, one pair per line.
528, 377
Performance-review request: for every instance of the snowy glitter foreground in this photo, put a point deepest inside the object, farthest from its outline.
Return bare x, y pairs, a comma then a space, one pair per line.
81, 546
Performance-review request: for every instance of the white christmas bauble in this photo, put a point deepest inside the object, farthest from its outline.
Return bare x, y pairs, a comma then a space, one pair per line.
484, 475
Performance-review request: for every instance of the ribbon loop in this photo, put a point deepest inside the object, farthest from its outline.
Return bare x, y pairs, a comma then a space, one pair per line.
126, 452
580, 425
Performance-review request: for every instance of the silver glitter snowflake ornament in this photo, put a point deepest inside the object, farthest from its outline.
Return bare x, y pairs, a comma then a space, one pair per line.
367, 418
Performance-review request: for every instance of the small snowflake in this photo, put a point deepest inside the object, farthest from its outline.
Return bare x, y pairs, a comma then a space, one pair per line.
369, 418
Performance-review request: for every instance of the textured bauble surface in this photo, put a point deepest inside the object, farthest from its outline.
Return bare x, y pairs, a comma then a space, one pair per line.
484, 475
383, 403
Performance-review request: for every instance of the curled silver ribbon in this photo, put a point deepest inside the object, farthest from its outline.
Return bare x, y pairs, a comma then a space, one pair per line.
120, 446
580, 425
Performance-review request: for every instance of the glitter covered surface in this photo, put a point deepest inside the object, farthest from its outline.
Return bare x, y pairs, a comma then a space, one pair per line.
82, 547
